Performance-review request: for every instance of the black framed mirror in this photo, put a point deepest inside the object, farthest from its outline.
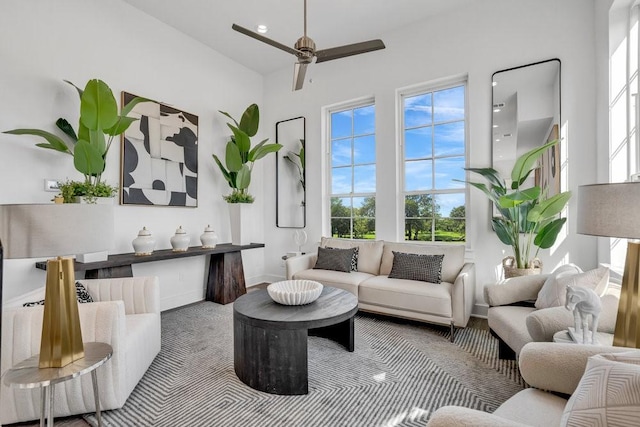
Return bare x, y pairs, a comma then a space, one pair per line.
291, 198
526, 114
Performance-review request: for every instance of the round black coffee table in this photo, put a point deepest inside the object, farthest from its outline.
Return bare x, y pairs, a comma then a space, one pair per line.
270, 339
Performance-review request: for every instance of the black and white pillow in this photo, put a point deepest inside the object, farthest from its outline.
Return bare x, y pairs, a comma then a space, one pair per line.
354, 259
334, 259
82, 295
425, 268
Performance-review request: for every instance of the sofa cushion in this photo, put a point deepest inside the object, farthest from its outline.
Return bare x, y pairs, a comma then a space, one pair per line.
347, 281
369, 252
533, 407
608, 393
411, 295
425, 268
451, 264
509, 323
334, 259
554, 290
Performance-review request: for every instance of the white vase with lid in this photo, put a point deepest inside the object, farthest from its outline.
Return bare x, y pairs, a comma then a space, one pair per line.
180, 240
144, 243
209, 238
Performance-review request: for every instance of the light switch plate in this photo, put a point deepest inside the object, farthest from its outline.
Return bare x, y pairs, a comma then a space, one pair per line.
51, 185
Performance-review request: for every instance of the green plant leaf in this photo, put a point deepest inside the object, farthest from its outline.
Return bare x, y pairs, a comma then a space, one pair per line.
55, 142
121, 126
252, 153
65, 127
250, 120
243, 179
87, 159
131, 104
233, 159
77, 88
224, 171
549, 208
548, 234
525, 163
503, 231
241, 139
98, 108
264, 150
228, 115
96, 139
490, 174
518, 197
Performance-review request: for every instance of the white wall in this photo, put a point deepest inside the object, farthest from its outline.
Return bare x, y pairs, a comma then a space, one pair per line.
483, 38
43, 42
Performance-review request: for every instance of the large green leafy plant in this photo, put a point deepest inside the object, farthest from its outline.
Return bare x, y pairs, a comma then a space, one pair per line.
528, 217
99, 123
240, 156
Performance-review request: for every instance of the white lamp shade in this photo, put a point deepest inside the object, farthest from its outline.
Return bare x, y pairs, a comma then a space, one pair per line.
609, 210
42, 230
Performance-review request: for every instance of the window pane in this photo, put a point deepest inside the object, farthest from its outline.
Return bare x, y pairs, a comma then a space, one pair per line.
364, 120
341, 152
450, 205
341, 227
449, 139
449, 230
364, 179
448, 169
417, 229
340, 207
418, 206
417, 110
417, 143
341, 124
341, 180
364, 228
364, 207
417, 175
364, 150
448, 104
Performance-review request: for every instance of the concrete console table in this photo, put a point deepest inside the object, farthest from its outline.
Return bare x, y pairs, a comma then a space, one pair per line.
225, 281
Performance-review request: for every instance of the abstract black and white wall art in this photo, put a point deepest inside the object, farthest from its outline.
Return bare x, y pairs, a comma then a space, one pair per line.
159, 164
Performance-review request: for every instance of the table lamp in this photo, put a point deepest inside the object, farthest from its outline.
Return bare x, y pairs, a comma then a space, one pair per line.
613, 210
40, 230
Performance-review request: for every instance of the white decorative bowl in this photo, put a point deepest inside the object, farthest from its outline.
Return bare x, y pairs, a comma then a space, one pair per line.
295, 292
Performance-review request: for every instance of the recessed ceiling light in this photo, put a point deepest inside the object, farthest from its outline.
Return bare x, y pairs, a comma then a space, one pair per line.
496, 110
494, 83
495, 126
262, 28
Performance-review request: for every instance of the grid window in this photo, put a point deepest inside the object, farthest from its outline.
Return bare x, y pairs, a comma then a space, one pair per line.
433, 134
353, 172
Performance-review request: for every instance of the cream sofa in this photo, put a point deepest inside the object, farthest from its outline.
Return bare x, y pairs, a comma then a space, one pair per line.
448, 303
125, 314
515, 321
557, 368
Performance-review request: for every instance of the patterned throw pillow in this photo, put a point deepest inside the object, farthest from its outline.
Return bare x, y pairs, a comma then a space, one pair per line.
334, 259
425, 268
608, 393
554, 291
81, 293
354, 259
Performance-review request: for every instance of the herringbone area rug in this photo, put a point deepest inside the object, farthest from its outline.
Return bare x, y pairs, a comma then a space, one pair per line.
399, 373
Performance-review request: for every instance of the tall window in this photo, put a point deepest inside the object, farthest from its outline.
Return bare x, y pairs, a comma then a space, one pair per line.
353, 172
433, 135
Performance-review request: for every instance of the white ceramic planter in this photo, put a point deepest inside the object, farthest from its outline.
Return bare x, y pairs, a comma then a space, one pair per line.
240, 221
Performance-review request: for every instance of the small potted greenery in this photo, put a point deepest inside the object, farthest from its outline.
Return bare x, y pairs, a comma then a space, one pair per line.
240, 156
528, 217
99, 123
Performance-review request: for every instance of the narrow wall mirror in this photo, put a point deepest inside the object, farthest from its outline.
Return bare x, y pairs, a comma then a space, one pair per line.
526, 114
291, 199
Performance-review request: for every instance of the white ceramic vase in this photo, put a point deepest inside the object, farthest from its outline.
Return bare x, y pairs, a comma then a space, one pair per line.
180, 240
240, 221
144, 243
209, 238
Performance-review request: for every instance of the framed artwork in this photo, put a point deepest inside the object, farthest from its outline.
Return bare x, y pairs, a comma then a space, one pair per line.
159, 156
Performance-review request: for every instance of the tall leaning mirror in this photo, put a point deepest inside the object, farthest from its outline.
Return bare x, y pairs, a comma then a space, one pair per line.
526, 114
290, 174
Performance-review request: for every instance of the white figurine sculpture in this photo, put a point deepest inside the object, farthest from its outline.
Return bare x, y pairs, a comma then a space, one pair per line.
584, 302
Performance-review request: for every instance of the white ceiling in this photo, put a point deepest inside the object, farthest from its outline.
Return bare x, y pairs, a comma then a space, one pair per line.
330, 23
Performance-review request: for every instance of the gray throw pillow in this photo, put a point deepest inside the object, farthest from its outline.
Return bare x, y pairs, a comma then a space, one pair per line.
425, 268
334, 259
354, 259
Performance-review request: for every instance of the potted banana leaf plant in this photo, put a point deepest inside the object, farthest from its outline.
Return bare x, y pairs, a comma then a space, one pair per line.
99, 124
529, 220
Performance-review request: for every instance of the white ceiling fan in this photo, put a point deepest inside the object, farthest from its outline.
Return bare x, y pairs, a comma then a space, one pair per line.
305, 50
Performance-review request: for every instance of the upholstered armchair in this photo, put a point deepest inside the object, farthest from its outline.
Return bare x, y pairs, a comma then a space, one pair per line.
125, 313
568, 382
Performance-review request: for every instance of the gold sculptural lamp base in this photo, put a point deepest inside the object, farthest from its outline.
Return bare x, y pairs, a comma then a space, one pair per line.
627, 332
61, 341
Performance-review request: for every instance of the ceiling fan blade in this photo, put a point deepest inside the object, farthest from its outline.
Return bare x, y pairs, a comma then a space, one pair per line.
266, 40
299, 71
348, 50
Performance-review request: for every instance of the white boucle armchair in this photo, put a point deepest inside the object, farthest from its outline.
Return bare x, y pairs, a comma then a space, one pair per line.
125, 313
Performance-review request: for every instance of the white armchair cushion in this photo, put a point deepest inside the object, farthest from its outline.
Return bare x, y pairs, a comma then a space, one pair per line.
550, 293
608, 393
553, 292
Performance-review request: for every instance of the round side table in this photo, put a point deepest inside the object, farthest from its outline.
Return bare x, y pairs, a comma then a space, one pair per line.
27, 374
